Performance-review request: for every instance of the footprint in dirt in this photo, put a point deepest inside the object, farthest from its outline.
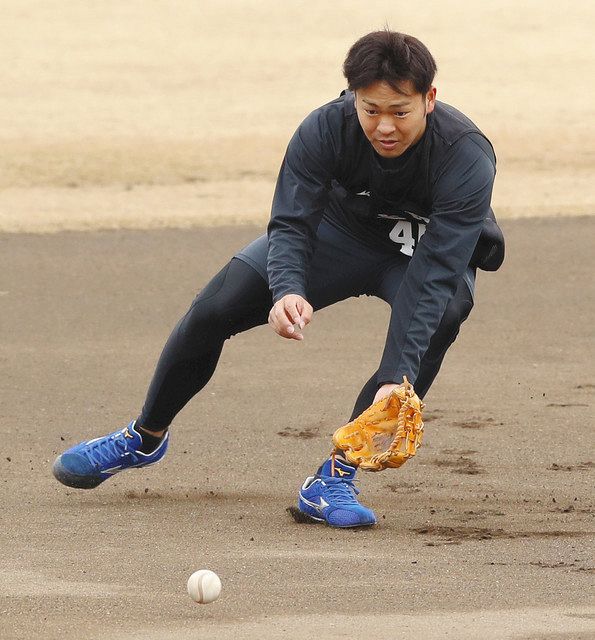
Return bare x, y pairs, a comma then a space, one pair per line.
444, 535
566, 404
458, 452
580, 466
430, 417
462, 464
572, 509
302, 434
474, 423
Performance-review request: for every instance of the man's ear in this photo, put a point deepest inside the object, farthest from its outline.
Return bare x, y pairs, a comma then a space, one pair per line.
430, 100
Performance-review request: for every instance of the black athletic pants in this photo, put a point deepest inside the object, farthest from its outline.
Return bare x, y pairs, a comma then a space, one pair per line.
237, 299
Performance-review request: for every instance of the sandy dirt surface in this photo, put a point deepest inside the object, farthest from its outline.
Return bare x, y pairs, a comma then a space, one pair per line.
487, 533
145, 113
129, 130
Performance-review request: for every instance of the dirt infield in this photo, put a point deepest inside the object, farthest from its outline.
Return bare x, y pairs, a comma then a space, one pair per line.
487, 533
129, 131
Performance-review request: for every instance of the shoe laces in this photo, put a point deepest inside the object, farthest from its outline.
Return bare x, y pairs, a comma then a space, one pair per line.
109, 450
341, 491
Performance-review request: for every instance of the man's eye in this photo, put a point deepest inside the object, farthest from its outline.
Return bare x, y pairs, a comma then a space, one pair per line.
371, 112
401, 114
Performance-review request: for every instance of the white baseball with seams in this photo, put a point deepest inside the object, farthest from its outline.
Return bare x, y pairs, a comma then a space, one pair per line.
204, 586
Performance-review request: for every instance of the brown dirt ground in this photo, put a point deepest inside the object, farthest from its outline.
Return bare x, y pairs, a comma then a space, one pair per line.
487, 533
146, 115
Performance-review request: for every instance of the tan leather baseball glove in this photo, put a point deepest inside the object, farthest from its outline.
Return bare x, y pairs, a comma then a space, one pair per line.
386, 434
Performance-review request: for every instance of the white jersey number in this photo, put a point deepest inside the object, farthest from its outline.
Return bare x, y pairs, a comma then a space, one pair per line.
407, 235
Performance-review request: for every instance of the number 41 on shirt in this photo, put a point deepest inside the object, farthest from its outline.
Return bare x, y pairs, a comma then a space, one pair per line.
407, 234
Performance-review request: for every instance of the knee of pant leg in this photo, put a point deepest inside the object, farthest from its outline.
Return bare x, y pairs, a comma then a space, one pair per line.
456, 312
461, 309
222, 316
201, 315
194, 326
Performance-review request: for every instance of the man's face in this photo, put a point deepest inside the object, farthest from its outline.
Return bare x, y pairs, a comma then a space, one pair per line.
393, 120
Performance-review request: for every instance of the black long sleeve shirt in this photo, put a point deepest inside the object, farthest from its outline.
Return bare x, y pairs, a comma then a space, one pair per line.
442, 185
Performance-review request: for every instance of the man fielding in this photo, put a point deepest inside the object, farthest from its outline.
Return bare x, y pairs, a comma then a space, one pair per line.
383, 191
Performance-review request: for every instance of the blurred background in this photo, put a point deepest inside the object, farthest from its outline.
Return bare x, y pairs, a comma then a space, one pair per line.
155, 113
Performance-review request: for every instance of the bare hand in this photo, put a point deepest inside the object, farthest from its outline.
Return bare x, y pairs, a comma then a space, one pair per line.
385, 391
289, 311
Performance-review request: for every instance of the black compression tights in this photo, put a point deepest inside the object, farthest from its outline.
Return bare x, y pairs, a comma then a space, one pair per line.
235, 300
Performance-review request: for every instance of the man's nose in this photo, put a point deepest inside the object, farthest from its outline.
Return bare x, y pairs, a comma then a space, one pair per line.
386, 126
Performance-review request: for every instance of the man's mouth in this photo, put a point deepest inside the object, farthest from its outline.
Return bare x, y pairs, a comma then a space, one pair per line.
388, 144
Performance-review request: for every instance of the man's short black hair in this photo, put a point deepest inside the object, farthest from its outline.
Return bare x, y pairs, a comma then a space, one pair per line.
391, 57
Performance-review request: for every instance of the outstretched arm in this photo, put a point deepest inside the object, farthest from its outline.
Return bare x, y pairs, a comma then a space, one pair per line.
461, 202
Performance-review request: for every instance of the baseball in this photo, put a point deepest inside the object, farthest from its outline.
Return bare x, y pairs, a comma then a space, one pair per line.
204, 586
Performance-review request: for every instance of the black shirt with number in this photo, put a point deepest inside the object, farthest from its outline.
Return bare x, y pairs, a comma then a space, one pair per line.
432, 204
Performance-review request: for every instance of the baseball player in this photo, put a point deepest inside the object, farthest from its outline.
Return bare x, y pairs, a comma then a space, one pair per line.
383, 192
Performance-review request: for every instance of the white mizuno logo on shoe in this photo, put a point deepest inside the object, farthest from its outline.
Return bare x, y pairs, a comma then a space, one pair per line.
112, 470
314, 505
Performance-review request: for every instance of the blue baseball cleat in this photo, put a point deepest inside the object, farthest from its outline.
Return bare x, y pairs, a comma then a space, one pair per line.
330, 496
89, 463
